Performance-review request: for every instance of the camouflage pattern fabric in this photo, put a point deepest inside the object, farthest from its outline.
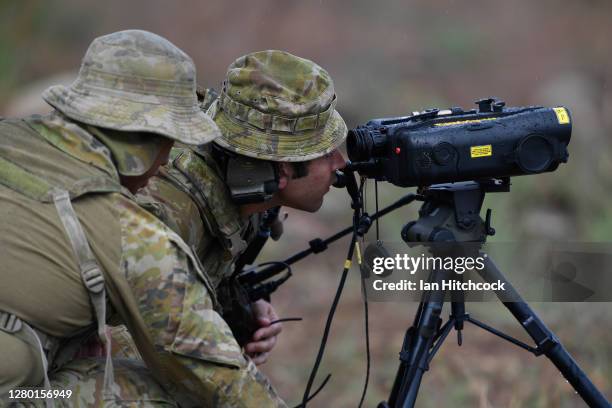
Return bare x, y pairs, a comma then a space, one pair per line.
74, 140
206, 97
276, 106
161, 277
135, 386
136, 81
134, 152
176, 209
123, 346
190, 197
154, 283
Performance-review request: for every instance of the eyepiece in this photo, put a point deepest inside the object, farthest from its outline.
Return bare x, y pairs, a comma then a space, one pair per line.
364, 143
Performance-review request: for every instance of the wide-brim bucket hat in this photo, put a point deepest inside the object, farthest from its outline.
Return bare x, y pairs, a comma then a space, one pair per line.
276, 106
136, 81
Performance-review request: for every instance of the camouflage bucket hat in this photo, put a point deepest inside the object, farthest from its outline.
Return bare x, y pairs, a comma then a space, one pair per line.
276, 106
136, 81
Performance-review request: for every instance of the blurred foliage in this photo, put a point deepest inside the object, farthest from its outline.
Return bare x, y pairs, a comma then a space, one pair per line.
390, 58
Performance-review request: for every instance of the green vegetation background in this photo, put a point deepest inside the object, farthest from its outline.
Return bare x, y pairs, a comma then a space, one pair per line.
389, 58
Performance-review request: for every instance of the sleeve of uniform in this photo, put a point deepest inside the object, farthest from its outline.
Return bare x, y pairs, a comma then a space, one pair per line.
177, 308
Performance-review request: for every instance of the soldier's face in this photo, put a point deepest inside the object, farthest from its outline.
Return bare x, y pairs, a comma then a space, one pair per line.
306, 193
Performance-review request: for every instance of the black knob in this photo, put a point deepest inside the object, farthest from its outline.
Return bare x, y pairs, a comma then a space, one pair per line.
484, 105
498, 106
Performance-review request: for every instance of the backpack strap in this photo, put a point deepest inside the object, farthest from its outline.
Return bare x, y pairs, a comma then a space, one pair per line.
19, 179
12, 324
92, 276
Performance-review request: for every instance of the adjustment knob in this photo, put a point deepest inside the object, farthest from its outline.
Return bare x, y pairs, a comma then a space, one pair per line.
484, 105
498, 106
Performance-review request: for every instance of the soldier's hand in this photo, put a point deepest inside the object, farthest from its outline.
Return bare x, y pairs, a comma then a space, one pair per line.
264, 339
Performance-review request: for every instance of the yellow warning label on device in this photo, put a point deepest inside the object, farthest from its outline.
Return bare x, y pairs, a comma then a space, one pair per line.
481, 151
562, 116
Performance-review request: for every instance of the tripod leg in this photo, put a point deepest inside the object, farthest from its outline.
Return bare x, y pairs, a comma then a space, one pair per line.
422, 343
546, 340
420, 339
400, 377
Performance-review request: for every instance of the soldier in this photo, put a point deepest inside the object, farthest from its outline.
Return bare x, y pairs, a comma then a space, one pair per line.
71, 233
215, 196
280, 134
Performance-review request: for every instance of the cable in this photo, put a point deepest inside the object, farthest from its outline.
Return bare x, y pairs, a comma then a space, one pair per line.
330, 317
366, 314
364, 195
358, 210
365, 302
367, 338
303, 404
286, 319
376, 200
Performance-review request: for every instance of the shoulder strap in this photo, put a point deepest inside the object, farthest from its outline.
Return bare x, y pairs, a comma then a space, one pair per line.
12, 324
92, 276
19, 179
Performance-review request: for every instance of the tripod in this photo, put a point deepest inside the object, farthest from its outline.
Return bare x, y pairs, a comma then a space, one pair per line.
451, 214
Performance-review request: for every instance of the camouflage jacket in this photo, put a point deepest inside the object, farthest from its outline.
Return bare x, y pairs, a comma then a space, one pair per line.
190, 197
154, 283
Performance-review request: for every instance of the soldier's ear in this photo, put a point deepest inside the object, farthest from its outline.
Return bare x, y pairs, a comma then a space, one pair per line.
285, 173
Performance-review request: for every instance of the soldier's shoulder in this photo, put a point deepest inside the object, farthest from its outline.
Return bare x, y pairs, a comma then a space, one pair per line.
174, 206
73, 139
140, 228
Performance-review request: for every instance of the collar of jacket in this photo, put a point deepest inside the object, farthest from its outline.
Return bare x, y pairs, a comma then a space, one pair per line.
75, 141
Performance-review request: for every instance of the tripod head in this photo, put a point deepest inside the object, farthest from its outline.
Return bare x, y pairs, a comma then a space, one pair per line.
451, 212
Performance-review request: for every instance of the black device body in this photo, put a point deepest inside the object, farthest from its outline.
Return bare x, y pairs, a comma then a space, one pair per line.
436, 146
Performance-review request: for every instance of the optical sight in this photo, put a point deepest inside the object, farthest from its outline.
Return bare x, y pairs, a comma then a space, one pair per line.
442, 146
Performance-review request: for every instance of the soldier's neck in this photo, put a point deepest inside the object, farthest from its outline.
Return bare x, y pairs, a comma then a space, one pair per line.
133, 183
246, 210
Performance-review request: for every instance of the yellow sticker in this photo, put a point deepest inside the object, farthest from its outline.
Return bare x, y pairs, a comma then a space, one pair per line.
358, 250
347, 264
464, 122
562, 116
481, 151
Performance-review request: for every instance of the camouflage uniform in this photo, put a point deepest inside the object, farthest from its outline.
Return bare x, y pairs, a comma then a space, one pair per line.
68, 164
273, 106
190, 194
